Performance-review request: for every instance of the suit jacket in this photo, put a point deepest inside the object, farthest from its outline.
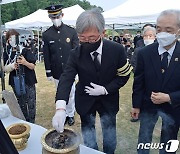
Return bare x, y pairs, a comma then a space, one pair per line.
140, 43
114, 74
148, 78
56, 48
137, 39
134, 58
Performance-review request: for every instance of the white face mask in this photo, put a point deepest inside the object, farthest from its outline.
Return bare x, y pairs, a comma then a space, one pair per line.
57, 22
12, 41
149, 41
164, 39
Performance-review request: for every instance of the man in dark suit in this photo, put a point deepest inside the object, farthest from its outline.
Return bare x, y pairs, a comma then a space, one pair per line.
156, 88
58, 40
102, 68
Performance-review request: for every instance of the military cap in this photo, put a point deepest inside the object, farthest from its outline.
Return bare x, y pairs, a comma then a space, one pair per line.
54, 10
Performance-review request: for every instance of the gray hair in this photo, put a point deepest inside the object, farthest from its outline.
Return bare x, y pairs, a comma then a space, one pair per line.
149, 29
90, 19
171, 12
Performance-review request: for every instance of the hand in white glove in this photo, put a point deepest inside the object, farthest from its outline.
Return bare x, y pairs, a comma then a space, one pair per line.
60, 116
96, 90
50, 78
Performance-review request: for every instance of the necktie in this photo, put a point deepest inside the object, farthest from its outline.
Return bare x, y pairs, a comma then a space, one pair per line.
164, 62
96, 61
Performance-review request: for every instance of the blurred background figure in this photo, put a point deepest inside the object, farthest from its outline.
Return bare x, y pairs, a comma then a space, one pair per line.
23, 63
140, 43
116, 39
129, 49
110, 38
123, 40
149, 36
137, 38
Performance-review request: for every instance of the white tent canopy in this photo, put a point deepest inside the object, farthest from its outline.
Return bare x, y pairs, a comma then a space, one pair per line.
138, 11
8, 1
40, 18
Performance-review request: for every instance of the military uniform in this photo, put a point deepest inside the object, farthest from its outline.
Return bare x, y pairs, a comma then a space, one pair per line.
58, 41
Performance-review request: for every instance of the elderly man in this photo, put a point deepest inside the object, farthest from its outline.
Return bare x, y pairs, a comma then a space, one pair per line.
102, 68
149, 36
58, 40
156, 88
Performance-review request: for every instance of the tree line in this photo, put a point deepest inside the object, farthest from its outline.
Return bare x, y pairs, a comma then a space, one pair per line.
13, 11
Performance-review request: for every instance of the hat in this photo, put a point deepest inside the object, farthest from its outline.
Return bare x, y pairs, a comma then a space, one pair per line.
54, 10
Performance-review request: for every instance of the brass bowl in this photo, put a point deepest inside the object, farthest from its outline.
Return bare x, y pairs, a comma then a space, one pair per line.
19, 134
72, 148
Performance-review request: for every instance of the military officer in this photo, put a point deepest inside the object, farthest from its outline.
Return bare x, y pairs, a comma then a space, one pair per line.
58, 40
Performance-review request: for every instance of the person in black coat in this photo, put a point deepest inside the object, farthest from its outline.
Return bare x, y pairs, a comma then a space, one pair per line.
156, 87
102, 68
116, 39
58, 40
137, 38
21, 62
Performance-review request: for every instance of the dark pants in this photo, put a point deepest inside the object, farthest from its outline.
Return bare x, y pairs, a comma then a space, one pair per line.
108, 124
27, 103
148, 120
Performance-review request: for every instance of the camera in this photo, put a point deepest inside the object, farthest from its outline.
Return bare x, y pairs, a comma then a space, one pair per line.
18, 54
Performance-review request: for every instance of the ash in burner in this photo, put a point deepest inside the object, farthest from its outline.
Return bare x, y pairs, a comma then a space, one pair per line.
60, 141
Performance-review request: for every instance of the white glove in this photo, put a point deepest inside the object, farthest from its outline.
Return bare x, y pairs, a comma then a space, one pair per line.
50, 78
96, 90
60, 116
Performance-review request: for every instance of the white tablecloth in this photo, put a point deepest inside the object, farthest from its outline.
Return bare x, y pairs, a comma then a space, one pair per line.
34, 143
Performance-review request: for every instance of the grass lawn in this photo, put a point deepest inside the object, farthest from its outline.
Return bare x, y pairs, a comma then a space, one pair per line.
127, 131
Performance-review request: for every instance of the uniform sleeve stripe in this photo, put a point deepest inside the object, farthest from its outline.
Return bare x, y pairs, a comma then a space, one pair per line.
124, 67
127, 72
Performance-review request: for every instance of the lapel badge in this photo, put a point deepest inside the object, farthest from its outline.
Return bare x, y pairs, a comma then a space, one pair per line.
176, 59
162, 70
68, 40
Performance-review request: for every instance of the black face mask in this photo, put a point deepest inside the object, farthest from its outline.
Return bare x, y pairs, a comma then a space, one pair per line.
90, 47
127, 46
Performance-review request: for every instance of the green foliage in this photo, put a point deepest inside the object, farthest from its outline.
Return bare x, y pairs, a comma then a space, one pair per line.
13, 11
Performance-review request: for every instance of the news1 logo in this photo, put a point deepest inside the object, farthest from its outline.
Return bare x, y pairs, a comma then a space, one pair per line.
170, 146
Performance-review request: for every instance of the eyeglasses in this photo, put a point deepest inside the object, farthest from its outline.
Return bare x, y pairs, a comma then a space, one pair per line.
91, 39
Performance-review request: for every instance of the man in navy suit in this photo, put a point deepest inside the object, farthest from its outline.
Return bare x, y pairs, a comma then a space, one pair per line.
102, 68
156, 87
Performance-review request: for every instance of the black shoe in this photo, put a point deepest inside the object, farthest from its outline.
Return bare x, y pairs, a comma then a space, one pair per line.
134, 120
70, 121
66, 121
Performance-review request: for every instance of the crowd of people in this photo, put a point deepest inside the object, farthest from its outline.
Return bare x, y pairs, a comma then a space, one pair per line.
102, 67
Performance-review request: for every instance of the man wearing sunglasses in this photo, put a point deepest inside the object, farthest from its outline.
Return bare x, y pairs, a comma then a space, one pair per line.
58, 40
